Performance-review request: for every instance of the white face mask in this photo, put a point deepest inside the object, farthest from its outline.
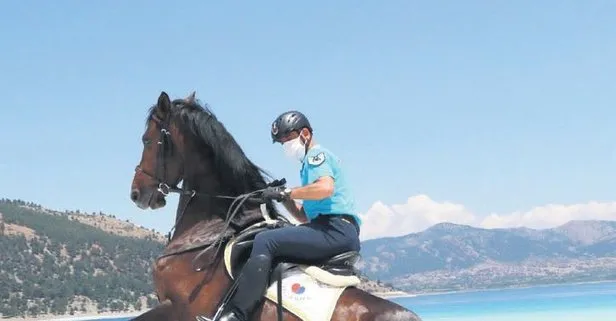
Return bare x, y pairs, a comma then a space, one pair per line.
295, 149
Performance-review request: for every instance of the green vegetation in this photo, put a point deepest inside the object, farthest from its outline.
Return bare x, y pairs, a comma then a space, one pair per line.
66, 262
51, 263
66, 265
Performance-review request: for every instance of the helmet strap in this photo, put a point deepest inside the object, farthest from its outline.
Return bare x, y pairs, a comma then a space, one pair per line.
306, 144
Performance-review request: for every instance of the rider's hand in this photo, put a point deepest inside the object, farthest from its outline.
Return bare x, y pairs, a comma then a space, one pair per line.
277, 193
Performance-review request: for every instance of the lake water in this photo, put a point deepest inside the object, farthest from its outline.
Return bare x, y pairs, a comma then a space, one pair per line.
596, 302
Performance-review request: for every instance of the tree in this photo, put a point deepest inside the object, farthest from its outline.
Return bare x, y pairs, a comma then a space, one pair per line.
52, 280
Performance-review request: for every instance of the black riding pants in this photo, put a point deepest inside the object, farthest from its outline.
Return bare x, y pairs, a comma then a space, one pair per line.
323, 237
320, 239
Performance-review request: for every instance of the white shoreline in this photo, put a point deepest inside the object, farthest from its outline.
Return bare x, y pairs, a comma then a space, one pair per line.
76, 317
499, 289
393, 294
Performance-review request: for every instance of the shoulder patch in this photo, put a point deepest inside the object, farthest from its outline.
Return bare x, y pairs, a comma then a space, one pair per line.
317, 160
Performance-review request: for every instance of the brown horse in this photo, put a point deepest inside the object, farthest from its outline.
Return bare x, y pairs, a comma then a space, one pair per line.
219, 213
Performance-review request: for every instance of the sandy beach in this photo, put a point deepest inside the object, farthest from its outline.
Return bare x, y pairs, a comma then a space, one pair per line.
112, 315
392, 294
75, 317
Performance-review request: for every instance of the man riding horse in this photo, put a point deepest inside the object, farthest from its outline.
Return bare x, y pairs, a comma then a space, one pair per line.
330, 225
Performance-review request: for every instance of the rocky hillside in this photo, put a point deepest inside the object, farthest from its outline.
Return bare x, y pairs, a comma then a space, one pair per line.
453, 257
70, 262
56, 263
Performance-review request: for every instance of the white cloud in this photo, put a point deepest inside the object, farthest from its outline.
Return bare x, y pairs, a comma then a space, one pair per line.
418, 213
552, 215
421, 212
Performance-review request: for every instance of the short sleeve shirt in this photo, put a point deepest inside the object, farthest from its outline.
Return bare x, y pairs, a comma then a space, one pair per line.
320, 162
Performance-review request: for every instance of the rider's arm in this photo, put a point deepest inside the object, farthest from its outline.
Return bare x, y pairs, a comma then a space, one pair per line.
322, 188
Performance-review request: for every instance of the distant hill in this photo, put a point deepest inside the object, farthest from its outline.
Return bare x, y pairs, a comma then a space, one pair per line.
71, 262
52, 263
448, 256
56, 263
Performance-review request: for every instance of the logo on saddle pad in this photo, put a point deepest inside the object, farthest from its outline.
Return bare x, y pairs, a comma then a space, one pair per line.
305, 296
297, 291
297, 288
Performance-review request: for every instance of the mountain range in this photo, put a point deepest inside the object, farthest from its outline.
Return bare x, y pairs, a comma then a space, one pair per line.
74, 263
93, 262
449, 256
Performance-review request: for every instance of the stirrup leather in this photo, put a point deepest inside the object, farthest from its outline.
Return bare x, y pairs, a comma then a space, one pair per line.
231, 291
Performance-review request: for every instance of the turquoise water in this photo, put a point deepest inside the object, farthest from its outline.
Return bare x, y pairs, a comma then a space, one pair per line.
593, 302
596, 302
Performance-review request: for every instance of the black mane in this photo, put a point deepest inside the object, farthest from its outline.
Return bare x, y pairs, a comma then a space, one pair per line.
237, 172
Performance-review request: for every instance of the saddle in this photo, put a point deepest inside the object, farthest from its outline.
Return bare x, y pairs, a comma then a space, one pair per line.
338, 271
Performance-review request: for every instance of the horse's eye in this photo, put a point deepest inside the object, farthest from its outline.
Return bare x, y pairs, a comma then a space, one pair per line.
146, 142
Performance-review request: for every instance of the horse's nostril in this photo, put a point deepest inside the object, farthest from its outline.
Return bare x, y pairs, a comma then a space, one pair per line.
134, 195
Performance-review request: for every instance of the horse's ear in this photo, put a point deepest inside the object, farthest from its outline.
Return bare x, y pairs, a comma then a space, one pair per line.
191, 98
164, 104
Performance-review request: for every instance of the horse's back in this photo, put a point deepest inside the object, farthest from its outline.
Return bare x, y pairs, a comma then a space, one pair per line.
359, 305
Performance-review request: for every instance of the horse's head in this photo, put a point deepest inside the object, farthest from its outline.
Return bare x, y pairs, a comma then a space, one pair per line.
161, 165
184, 142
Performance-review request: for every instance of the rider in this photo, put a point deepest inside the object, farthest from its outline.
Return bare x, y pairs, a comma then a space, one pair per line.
329, 226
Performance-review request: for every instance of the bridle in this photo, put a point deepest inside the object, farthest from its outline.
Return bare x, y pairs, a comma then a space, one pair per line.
165, 149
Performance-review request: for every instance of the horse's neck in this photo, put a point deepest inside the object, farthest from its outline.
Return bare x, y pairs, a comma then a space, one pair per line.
204, 207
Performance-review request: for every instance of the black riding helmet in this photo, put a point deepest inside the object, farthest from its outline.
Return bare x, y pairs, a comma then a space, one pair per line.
287, 122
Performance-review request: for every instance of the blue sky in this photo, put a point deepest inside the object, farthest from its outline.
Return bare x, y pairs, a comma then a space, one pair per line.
499, 106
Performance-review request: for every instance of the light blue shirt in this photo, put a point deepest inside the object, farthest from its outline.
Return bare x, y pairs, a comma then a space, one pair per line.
321, 162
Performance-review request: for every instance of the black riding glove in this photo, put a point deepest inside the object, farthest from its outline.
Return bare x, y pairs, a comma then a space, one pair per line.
277, 193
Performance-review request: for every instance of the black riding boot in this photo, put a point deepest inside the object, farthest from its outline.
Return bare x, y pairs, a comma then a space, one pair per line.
252, 285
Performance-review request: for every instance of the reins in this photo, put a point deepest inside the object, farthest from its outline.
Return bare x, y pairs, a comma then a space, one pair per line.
238, 201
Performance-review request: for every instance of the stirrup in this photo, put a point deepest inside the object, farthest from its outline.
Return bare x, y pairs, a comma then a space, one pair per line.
231, 291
